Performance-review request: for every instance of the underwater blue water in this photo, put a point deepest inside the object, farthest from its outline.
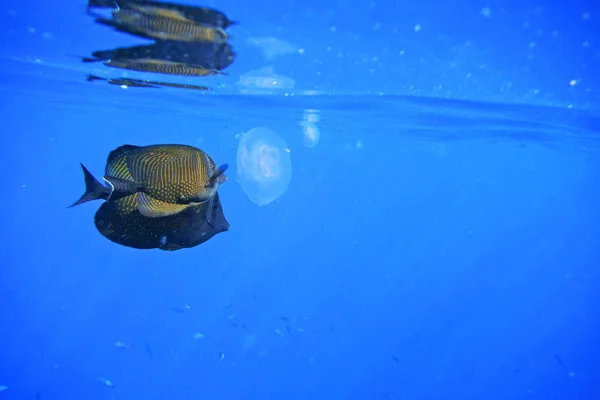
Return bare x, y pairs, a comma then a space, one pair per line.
440, 241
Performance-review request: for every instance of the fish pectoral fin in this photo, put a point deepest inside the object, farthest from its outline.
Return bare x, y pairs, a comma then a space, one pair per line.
153, 208
217, 177
213, 214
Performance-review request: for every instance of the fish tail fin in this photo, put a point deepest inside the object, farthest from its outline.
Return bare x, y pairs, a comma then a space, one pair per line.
84, 59
217, 177
111, 22
89, 59
91, 78
94, 190
101, 3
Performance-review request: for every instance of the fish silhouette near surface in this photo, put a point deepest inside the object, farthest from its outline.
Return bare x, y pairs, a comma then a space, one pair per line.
208, 55
157, 23
130, 82
187, 41
161, 67
199, 15
160, 196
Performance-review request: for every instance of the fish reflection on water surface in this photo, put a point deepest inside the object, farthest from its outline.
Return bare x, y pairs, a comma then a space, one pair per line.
189, 41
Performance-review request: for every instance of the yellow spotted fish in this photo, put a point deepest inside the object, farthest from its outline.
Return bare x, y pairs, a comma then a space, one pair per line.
161, 67
156, 11
164, 24
156, 180
159, 196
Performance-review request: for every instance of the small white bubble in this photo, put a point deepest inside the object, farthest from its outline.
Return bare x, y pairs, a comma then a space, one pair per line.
300, 51
417, 28
332, 28
401, 53
573, 82
486, 12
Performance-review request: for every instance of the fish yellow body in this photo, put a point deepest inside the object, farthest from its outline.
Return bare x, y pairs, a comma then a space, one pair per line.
159, 196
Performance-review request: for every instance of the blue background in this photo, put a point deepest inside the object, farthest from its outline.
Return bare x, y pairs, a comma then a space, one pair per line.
440, 245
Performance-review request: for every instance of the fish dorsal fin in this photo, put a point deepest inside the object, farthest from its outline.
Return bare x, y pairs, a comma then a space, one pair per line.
116, 165
120, 151
161, 12
152, 208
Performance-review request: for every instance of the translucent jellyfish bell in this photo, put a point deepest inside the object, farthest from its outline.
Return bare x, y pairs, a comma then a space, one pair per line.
310, 128
264, 165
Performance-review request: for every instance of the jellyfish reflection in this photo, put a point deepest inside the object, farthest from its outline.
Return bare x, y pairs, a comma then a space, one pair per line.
264, 165
310, 128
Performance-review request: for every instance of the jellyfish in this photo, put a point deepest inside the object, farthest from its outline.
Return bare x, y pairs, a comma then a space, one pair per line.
264, 166
310, 128
311, 134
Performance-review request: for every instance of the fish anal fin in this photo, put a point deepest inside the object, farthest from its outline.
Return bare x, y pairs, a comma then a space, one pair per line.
152, 208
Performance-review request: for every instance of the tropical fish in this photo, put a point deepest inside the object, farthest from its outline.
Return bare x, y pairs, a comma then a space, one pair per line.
149, 23
194, 225
164, 178
122, 81
158, 12
209, 55
200, 15
161, 67
130, 82
160, 196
